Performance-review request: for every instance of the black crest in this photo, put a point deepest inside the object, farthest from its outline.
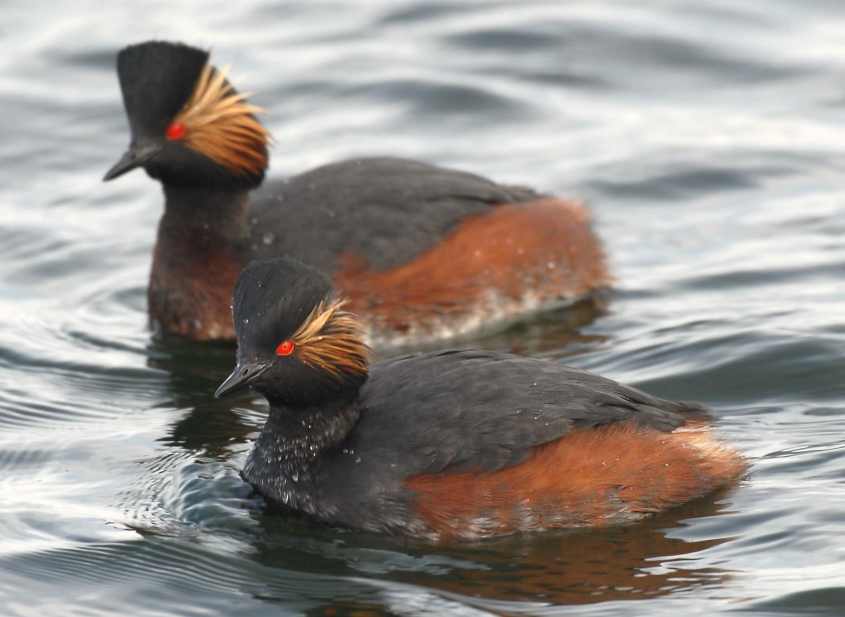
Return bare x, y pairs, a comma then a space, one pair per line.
272, 299
156, 79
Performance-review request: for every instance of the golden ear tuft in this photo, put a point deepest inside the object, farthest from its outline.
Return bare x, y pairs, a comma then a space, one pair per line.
221, 124
331, 339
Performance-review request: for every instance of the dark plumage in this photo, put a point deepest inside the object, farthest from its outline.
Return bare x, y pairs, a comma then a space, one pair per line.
368, 451
169, 70
266, 318
375, 226
385, 210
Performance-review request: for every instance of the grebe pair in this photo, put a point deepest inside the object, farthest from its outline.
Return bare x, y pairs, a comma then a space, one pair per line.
446, 445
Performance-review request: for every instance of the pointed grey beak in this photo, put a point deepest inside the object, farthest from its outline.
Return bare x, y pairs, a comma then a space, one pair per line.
241, 378
136, 156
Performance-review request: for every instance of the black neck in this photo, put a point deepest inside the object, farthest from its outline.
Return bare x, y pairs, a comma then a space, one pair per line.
210, 211
292, 439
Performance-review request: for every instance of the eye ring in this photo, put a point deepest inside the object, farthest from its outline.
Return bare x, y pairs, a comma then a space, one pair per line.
285, 348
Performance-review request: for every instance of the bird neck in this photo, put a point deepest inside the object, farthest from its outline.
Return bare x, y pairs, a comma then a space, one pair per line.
203, 213
200, 249
292, 441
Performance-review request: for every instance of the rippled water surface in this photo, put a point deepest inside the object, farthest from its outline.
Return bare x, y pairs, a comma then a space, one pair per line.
707, 136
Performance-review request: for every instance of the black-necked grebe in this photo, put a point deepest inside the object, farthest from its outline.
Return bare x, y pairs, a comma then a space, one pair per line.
455, 444
421, 252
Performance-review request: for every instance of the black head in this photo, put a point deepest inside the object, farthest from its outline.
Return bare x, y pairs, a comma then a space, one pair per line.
296, 344
188, 124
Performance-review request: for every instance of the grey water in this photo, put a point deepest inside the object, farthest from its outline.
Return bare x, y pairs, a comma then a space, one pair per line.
708, 139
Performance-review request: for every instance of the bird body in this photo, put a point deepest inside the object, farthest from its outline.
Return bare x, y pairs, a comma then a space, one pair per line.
455, 444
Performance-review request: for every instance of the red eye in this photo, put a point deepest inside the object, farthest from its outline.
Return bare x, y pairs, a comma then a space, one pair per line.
285, 348
175, 131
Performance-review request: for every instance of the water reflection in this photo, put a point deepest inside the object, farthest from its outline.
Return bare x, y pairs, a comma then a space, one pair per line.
554, 334
645, 560
207, 426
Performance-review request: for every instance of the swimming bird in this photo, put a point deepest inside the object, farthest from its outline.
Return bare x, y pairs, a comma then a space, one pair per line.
449, 445
423, 252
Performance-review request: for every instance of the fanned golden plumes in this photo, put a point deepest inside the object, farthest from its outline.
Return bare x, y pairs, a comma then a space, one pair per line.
221, 124
331, 339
